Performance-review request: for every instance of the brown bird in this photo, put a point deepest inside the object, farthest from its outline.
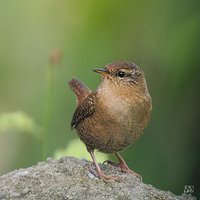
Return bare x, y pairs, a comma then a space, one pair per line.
115, 114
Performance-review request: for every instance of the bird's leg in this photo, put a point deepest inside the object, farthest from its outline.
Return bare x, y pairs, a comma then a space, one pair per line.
100, 173
122, 164
125, 168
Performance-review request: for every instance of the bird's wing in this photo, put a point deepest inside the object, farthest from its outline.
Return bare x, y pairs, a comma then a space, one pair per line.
79, 89
84, 110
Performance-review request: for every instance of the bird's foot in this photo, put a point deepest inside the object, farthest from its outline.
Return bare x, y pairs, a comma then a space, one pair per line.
123, 166
104, 177
110, 162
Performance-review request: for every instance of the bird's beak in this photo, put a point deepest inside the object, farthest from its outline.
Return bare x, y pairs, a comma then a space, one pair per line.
101, 71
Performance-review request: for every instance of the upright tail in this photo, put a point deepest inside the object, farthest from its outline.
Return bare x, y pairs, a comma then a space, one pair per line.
79, 89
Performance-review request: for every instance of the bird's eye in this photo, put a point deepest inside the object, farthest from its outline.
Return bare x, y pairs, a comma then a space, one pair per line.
121, 74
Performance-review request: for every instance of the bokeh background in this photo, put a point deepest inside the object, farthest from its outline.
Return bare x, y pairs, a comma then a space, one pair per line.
43, 44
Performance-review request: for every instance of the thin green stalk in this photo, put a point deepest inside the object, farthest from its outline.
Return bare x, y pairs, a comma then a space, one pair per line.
48, 111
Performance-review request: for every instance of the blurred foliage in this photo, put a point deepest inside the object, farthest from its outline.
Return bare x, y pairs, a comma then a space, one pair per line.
160, 36
19, 122
77, 149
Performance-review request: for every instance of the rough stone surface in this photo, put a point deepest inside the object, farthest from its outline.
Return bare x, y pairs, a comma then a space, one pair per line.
70, 178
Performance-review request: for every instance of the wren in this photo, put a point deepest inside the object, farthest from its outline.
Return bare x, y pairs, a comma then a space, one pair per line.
114, 115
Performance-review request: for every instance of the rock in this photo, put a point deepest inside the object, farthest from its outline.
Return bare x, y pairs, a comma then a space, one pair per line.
70, 178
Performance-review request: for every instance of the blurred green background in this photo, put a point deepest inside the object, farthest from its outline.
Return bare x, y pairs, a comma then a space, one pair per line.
36, 104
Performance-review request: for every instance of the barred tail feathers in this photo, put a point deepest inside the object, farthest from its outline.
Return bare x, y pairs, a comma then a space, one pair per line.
79, 89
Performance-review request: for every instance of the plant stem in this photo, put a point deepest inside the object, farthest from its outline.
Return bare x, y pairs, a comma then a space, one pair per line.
47, 111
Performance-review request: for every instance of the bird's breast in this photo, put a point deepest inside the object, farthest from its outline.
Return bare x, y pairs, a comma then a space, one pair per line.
129, 116
115, 124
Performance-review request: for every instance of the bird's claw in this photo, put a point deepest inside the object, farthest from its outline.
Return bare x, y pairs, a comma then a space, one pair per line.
111, 163
104, 177
129, 171
124, 168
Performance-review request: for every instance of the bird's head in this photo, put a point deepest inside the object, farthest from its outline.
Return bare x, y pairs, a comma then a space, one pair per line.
123, 75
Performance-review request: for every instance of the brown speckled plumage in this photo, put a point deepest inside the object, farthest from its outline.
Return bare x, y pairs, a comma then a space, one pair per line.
115, 115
